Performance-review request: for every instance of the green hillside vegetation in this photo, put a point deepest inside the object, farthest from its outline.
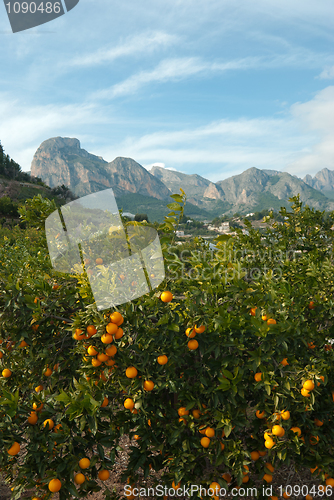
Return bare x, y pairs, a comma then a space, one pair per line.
19, 186
154, 208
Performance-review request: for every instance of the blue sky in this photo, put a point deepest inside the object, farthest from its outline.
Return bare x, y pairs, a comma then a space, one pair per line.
211, 87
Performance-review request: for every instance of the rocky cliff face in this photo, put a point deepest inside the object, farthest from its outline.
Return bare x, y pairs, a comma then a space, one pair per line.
194, 185
61, 160
323, 180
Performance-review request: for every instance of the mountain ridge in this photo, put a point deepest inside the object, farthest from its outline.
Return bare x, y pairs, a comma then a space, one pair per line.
62, 161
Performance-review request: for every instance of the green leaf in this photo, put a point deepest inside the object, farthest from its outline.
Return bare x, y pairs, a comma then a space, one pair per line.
174, 206
177, 198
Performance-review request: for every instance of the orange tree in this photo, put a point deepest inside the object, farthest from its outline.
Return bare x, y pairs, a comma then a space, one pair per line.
224, 379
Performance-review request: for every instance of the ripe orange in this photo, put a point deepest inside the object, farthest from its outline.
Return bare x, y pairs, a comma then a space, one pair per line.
308, 385
199, 329
39, 388
182, 411
305, 392
222, 446
264, 317
6, 373
14, 449
128, 404
23, 344
205, 441
227, 477
79, 478
111, 350
131, 372
278, 430
268, 478
32, 419
309, 497
103, 474
286, 495
285, 415
54, 485
284, 362
162, 360
193, 344
96, 362
49, 422
91, 330
136, 437
148, 385
209, 432
107, 338
105, 402
176, 486
48, 372
258, 376
92, 351
269, 467
271, 321
166, 296
111, 328
102, 357
253, 311
84, 463
330, 481
245, 479
99, 261
255, 455
38, 408
260, 414
116, 318
311, 305
269, 443
296, 430
190, 332
119, 333
318, 422
314, 440
196, 413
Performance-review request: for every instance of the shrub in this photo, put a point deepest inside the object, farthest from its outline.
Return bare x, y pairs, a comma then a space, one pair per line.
266, 333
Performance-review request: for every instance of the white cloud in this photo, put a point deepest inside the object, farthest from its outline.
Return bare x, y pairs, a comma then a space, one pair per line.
28, 126
143, 43
177, 69
327, 73
316, 116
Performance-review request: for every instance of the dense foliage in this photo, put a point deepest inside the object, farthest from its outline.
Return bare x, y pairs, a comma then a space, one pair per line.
261, 364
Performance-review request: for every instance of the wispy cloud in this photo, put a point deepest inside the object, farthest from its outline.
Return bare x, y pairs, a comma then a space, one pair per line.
146, 43
327, 73
177, 69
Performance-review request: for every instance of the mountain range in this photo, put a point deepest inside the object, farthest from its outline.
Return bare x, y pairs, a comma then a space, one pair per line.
62, 161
